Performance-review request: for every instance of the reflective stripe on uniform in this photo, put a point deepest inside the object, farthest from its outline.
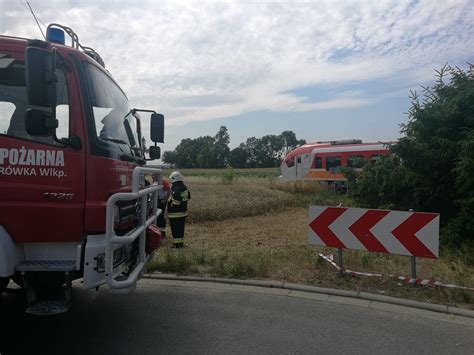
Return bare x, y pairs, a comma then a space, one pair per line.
178, 240
177, 214
175, 202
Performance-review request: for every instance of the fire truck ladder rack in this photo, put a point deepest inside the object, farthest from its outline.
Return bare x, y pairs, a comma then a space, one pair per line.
120, 282
76, 44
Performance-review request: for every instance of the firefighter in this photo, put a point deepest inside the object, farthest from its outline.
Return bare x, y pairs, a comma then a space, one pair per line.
163, 196
178, 208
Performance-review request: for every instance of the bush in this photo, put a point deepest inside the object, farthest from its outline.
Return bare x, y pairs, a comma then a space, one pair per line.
229, 176
432, 165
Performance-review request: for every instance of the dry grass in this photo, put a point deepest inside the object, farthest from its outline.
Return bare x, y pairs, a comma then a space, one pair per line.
271, 242
213, 200
299, 186
255, 172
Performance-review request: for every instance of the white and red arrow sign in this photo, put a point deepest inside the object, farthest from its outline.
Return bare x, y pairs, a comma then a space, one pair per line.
382, 231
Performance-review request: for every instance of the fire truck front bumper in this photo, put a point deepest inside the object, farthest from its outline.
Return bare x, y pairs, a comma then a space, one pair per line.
94, 261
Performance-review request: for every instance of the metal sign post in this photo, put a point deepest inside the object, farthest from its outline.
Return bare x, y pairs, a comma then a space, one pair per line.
413, 268
413, 261
339, 262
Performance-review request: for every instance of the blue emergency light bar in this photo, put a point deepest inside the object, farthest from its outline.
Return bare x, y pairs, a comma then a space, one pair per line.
55, 35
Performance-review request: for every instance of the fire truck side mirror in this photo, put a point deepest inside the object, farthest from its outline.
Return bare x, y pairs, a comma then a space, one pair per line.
157, 128
40, 123
40, 76
155, 152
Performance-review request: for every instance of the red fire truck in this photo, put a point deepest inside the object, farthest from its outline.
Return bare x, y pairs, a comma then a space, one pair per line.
320, 161
73, 200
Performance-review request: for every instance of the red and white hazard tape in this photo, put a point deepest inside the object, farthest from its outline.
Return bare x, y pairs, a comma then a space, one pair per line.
330, 258
423, 282
427, 282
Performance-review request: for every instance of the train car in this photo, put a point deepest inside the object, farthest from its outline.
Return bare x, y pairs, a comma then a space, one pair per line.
321, 161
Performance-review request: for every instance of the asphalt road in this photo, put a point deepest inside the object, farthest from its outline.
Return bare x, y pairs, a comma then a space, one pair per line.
187, 317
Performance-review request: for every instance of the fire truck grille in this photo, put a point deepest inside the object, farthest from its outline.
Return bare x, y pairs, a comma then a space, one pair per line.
127, 210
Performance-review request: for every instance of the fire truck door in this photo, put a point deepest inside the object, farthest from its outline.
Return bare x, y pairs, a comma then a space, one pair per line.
41, 180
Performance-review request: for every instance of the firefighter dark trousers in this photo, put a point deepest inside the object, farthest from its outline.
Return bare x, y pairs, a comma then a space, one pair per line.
177, 229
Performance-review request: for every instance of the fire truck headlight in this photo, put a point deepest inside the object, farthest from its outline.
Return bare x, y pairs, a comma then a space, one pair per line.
100, 263
119, 257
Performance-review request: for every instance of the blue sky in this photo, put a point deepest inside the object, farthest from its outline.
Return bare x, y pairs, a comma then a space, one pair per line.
324, 69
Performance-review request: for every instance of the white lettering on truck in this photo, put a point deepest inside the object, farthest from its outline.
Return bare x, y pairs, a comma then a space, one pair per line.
23, 162
31, 157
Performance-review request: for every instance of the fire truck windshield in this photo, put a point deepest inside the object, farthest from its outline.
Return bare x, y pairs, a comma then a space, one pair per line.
111, 109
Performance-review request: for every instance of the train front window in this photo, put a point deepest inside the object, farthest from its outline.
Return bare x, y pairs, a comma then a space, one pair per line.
290, 162
318, 163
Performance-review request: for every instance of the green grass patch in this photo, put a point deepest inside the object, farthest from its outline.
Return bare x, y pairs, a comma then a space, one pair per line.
184, 261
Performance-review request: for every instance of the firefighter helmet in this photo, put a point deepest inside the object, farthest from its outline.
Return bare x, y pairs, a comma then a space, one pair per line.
176, 176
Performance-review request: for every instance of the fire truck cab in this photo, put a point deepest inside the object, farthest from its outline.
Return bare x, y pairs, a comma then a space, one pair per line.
73, 200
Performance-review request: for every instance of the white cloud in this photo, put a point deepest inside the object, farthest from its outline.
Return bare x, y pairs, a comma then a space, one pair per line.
201, 61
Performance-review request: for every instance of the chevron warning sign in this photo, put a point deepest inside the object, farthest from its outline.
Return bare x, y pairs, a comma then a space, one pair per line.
382, 231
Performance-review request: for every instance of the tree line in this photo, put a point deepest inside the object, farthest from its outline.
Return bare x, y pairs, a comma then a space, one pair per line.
431, 167
214, 152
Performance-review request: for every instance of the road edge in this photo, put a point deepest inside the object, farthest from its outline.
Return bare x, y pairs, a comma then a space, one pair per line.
321, 290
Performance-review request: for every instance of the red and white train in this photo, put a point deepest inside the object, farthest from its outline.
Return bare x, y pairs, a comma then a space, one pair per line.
320, 161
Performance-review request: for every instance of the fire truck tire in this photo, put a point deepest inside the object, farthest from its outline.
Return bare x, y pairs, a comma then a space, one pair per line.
3, 283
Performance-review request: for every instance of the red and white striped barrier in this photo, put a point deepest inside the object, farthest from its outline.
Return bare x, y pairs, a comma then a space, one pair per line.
422, 282
382, 231
330, 258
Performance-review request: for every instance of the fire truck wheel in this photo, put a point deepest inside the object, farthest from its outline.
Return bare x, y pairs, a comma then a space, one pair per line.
3, 283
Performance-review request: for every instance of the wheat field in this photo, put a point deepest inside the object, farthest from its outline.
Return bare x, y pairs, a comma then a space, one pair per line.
212, 199
249, 227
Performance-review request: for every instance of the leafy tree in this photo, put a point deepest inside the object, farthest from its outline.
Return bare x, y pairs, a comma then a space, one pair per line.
271, 148
205, 152
221, 148
238, 157
214, 152
434, 165
383, 184
169, 157
201, 152
251, 148
267, 151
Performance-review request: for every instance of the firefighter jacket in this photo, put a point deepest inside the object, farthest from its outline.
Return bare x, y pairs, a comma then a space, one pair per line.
178, 200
